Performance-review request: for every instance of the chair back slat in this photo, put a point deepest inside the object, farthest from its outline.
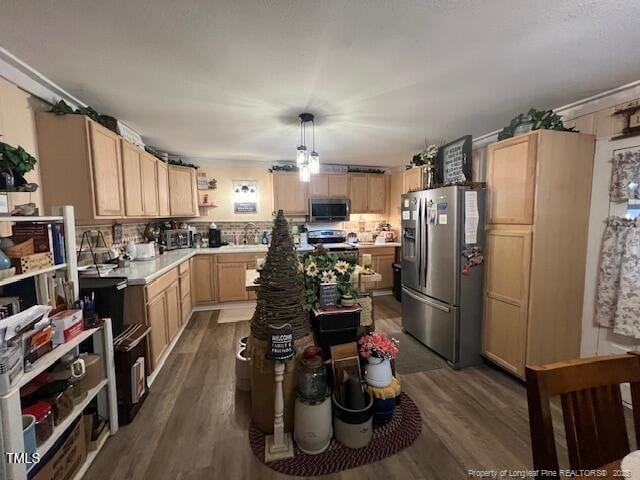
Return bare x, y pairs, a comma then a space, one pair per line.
592, 409
595, 428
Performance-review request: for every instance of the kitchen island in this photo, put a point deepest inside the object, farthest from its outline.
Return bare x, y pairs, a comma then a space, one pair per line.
164, 292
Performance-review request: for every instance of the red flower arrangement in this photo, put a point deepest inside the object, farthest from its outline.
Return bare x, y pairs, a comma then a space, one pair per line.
378, 345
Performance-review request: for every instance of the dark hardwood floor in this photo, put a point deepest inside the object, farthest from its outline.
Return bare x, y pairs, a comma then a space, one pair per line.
194, 422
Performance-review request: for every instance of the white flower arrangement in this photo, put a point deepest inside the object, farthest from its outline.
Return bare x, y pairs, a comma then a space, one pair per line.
329, 276
342, 266
312, 269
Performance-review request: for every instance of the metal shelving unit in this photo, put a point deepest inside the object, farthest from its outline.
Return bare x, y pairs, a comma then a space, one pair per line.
11, 437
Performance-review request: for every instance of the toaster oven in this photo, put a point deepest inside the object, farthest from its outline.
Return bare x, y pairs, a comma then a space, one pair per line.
174, 239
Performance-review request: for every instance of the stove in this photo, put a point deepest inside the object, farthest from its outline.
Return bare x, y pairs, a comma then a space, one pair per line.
332, 240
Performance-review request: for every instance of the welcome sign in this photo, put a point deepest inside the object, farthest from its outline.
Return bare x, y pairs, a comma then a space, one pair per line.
280, 346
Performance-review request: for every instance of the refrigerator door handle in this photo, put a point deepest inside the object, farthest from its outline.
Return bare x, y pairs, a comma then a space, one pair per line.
419, 226
427, 300
425, 241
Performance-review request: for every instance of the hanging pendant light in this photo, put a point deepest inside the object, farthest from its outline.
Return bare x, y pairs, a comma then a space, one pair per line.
314, 158
314, 162
301, 155
305, 173
308, 163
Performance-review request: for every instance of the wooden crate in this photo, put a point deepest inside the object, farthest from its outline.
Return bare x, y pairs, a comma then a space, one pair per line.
31, 263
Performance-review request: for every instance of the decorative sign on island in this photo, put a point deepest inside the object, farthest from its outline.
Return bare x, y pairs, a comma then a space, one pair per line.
281, 343
455, 161
329, 294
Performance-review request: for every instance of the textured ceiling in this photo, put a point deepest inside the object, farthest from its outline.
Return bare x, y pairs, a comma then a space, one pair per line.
226, 79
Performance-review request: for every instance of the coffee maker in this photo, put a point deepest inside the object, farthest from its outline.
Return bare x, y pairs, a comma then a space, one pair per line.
215, 236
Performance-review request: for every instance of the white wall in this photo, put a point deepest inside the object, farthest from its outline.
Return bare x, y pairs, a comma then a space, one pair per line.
223, 195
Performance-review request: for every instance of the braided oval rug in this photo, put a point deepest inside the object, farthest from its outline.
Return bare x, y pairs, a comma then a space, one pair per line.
389, 439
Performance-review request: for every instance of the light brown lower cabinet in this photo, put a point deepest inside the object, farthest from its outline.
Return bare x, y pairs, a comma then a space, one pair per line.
231, 276
382, 260
384, 266
203, 272
221, 278
231, 281
508, 259
185, 291
159, 306
174, 310
157, 338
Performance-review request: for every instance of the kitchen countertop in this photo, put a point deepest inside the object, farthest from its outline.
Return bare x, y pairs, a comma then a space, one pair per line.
143, 272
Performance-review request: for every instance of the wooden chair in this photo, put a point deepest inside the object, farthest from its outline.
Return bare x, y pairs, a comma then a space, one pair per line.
592, 409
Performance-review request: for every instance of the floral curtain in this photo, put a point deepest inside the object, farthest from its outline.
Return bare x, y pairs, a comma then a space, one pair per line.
625, 175
618, 293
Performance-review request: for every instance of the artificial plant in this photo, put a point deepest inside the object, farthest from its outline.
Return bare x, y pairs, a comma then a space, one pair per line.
178, 162
63, 108
15, 160
323, 267
534, 120
285, 167
428, 156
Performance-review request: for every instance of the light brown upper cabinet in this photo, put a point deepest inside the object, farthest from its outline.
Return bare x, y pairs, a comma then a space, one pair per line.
368, 192
183, 193
511, 171
107, 171
163, 189
289, 193
358, 192
112, 178
539, 186
132, 176
319, 185
149, 174
376, 193
73, 148
140, 179
412, 179
329, 185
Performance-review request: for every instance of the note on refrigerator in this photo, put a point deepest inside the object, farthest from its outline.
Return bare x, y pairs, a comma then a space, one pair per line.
471, 217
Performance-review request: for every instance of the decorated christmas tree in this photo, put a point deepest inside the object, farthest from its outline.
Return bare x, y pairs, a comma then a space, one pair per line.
281, 291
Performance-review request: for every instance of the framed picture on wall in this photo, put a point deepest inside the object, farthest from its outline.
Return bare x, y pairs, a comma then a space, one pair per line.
245, 196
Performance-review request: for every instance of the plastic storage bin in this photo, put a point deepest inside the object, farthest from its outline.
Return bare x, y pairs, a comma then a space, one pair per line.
11, 367
44, 420
29, 434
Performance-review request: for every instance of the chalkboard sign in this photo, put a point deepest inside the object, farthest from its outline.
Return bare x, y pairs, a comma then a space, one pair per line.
281, 343
328, 294
455, 161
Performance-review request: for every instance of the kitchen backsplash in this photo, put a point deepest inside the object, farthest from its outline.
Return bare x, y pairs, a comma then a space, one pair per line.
134, 231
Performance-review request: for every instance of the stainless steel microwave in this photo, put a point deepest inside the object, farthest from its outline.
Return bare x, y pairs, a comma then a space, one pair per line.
325, 209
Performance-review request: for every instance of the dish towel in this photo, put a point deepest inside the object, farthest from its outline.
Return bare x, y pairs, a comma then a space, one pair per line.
618, 293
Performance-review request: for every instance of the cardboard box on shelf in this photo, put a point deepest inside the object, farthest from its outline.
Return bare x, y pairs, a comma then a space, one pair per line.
69, 457
66, 325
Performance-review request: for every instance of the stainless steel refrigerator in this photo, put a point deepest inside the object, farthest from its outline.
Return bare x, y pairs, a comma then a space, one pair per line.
442, 270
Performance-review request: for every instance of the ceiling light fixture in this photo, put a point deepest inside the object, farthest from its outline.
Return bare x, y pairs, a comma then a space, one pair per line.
308, 163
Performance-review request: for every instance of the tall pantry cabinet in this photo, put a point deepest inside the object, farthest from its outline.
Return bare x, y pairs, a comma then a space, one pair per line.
539, 193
